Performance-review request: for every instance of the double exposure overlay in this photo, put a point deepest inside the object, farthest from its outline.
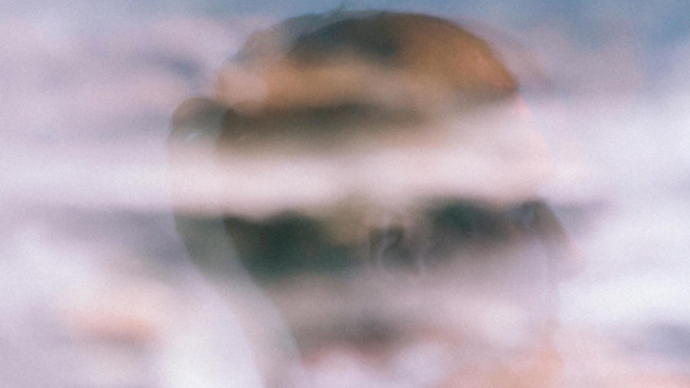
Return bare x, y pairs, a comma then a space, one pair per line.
290, 195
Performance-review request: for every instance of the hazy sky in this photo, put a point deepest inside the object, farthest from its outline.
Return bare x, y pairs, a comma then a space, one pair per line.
657, 27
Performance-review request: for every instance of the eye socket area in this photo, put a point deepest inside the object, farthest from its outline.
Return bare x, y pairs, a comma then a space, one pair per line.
288, 245
293, 244
466, 221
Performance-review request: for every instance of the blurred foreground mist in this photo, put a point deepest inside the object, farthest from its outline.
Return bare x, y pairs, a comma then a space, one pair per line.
95, 287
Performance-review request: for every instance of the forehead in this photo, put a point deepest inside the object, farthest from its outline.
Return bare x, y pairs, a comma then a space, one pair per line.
362, 125
309, 161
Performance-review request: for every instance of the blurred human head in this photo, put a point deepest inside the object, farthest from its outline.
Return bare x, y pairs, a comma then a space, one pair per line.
378, 176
